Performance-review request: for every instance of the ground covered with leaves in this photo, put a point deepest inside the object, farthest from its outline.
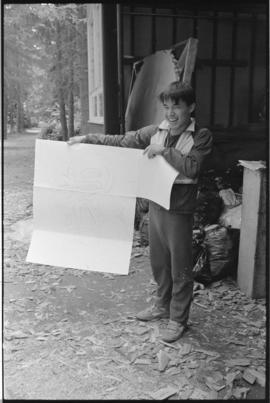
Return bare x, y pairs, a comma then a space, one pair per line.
72, 334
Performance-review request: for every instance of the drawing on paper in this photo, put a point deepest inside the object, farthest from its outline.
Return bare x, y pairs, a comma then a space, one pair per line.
97, 179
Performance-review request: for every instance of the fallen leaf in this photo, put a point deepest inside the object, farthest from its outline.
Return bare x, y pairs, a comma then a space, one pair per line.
187, 393
198, 394
207, 352
239, 392
182, 382
141, 331
213, 395
16, 335
242, 362
69, 288
81, 352
260, 376
260, 324
237, 342
176, 347
173, 371
163, 360
249, 376
193, 365
109, 276
213, 385
209, 359
41, 338
185, 349
231, 377
142, 361
164, 393
188, 373
108, 321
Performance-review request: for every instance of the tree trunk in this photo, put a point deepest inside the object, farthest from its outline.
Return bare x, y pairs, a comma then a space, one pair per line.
12, 114
19, 111
83, 70
60, 90
5, 121
71, 108
71, 81
19, 106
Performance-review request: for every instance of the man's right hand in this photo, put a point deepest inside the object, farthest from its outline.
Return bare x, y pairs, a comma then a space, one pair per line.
75, 140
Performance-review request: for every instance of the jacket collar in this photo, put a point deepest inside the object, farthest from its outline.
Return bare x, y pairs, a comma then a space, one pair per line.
164, 125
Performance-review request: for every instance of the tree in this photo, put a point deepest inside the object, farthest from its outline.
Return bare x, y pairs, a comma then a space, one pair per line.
42, 64
83, 67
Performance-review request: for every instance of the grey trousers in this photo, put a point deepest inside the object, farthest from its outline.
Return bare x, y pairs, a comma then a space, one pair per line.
170, 240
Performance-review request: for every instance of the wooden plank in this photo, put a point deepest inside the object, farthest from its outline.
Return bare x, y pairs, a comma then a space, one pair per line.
130, 59
259, 286
195, 35
233, 55
120, 67
253, 30
174, 25
153, 30
213, 83
247, 263
261, 16
111, 111
132, 30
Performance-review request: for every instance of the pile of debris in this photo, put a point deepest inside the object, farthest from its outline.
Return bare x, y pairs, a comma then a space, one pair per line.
217, 222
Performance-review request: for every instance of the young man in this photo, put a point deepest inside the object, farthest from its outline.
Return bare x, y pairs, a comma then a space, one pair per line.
184, 146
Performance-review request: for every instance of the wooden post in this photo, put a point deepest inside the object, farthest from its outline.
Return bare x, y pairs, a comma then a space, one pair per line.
120, 67
251, 275
110, 72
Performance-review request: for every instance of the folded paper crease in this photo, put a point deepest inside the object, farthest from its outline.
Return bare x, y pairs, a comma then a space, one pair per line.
84, 203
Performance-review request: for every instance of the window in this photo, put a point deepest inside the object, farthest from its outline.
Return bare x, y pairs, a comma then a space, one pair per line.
95, 64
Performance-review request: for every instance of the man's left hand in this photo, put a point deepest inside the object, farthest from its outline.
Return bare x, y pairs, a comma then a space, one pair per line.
154, 149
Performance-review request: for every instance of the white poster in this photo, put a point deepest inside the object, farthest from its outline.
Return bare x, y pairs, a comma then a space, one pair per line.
84, 203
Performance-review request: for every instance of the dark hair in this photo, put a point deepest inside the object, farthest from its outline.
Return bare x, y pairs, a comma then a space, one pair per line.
178, 91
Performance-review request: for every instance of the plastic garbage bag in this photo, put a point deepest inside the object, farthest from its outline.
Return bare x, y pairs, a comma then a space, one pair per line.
231, 215
222, 247
230, 198
201, 268
231, 218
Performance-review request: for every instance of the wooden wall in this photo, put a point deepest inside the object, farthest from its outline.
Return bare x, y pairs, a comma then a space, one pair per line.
230, 75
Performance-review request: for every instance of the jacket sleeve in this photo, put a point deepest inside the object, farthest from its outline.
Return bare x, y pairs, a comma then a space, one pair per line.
190, 164
132, 139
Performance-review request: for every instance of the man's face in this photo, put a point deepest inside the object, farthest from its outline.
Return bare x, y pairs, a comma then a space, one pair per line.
177, 115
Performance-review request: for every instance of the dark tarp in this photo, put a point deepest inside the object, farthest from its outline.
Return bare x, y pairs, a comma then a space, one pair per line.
143, 108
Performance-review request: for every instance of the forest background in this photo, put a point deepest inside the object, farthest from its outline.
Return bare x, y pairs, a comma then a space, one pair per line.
45, 74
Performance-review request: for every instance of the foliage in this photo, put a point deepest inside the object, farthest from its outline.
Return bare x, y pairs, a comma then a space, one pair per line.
39, 52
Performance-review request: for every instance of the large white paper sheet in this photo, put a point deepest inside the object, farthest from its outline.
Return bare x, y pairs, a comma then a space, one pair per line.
84, 203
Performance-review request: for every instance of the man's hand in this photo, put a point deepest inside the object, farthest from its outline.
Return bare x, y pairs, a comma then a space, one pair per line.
154, 149
75, 140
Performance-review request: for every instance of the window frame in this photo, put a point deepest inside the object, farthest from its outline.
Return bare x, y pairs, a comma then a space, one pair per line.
95, 63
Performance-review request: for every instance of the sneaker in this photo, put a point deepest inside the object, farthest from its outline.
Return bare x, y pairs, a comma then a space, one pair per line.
154, 312
173, 331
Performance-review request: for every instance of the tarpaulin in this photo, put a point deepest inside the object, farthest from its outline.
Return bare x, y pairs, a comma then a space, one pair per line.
156, 73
